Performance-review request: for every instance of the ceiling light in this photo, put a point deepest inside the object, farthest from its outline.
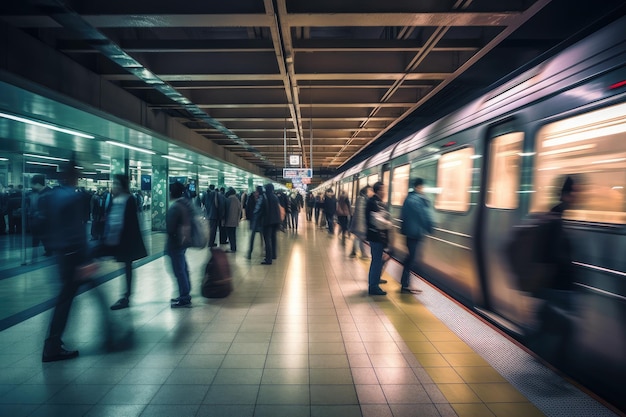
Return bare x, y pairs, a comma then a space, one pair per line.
45, 125
173, 158
51, 158
42, 163
98, 164
4, 159
134, 148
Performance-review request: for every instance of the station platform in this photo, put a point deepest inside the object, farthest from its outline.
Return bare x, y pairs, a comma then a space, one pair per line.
298, 338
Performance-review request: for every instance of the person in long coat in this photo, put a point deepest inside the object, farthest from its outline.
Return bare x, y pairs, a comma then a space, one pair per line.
233, 215
122, 235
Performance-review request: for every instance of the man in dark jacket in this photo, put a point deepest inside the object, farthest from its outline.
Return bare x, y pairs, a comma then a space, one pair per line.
69, 242
378, 226
267, 207
178, 215
211, 206
330, 208
38, 213
416, 222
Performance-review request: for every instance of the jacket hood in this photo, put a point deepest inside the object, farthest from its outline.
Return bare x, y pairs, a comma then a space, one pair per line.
269, 188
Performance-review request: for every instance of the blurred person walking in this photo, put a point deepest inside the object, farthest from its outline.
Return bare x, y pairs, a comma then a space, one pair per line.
268, 208
122, 235
69, 243
358, 226
38, 214
378, 227
416, 222
344, 211
233, 215
330, 208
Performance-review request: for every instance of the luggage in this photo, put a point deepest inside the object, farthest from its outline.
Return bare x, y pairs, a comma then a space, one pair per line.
217, 282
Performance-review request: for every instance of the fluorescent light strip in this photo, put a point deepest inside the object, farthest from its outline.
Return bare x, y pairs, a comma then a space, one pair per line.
98, 164
45, 125
51, 158
4, 159
42, 163
173, 158
134, 148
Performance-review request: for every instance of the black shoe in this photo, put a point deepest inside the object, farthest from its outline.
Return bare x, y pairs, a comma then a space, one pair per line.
120, 304
382, 281
377, 291
266, 263
181, 304
405, 290
60, 354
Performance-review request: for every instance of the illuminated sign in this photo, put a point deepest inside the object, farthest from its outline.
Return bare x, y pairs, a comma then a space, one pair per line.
297, 173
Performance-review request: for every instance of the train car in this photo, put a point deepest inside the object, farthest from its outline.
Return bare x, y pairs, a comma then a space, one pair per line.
502, 158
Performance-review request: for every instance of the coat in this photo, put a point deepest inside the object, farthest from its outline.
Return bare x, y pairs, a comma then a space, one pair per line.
416, 216
131, 246
233, 211
378, 220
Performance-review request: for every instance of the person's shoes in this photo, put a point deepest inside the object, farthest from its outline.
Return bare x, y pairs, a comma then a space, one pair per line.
181, 304
173, 300
266, 263
120, 304
405, 290
59, 355
377, 291
352, 255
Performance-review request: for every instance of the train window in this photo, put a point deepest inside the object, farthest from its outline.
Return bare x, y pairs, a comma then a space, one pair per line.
362, 183
592, 149
504, 171
400, 186
454, 178
386, 176
372, 179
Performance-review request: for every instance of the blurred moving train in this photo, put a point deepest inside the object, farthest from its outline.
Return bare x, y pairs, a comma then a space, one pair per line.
493, 162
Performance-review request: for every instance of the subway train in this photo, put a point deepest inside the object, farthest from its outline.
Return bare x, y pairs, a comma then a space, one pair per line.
493, 163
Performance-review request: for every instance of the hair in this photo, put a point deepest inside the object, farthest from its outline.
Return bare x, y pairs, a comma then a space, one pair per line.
364, 190
418, 182
329, 190
259, 189
211, 187
38, 179
378, 185
69, 174
124, 182
176, 189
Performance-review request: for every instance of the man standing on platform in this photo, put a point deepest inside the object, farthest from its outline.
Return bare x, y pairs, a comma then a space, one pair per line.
416, 222
378, 227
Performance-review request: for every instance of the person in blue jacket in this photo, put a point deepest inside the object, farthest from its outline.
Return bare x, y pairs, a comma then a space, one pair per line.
417, 221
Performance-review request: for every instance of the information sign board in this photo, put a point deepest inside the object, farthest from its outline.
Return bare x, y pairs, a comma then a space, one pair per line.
297, 172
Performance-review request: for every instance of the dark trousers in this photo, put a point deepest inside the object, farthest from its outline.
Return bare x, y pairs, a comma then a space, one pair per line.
330, 222
269, 236
309, 213
317, 215
232, 237
294, 219
412, 246
68, 264
181, 272
376, 266
223, 235
212, 231
128, 269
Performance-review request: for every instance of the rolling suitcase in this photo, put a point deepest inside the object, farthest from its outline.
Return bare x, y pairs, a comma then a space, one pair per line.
217, 282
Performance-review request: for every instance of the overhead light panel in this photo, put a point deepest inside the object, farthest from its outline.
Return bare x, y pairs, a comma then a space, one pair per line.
98, 164
50, 158
45, 125
134, 148
173, 158
47, 164
4, 159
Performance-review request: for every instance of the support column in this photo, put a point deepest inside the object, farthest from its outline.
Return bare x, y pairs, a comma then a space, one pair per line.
160, 194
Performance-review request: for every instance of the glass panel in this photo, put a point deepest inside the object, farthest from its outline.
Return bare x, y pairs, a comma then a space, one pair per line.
590, 148
504, 171
454, 178
400, 186
372, 179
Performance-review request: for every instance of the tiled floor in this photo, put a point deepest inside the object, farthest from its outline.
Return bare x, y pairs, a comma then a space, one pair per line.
298, 338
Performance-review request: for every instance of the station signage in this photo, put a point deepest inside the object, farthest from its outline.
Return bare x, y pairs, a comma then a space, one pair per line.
289, 173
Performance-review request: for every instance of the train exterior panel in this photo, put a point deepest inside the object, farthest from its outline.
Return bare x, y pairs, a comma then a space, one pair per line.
491, 164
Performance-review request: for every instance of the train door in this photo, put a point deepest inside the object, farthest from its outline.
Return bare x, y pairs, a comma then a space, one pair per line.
500, 201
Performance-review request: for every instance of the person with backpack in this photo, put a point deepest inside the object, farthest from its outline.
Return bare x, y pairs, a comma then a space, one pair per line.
178, 219
416, 222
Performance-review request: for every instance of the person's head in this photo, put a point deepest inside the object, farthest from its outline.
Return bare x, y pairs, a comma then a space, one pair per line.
568, 191
269, 188
418, 185
211, 187
177, 190
222, 190
230, 191
121, 185
69, 175
329, 191
38, 182
379, 189
366, 191
259, 189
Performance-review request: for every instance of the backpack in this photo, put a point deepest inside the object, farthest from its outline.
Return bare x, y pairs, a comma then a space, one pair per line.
532, 252
194, 231
217, 282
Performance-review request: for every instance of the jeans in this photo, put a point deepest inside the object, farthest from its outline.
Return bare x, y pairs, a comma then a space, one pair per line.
212, 231
181, 271
412, 246
358, 241
330, 222
376, 267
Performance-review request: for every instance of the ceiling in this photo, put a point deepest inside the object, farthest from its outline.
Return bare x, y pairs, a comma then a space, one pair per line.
327, 80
